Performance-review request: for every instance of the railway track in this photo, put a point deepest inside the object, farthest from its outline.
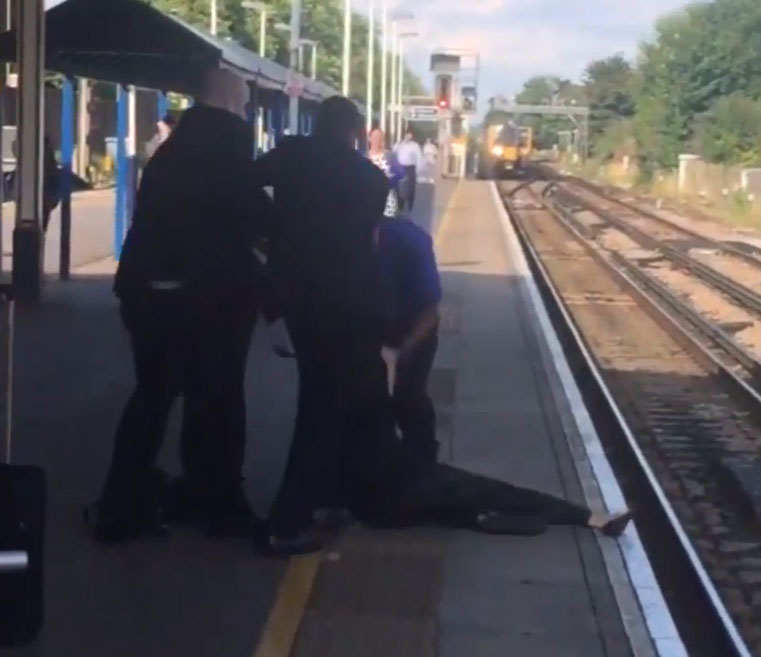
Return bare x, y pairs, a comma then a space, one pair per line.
681, 411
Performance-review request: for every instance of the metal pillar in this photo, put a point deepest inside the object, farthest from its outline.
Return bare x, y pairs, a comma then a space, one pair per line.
384, 64
293, 112
346, 61
120, 220
67, 157
162, 105
83, 126
28, 240
370, 65
251, 113
270, 128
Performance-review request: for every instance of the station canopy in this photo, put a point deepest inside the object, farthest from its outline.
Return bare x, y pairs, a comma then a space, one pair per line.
129, 42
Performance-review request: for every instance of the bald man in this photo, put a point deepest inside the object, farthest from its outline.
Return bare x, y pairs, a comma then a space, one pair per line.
189, 283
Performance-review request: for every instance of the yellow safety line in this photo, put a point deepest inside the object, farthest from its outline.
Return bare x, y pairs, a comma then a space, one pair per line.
279, 633
285, 616
446, 218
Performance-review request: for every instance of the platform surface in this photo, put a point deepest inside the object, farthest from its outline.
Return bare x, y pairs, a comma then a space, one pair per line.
412, 593
431, 592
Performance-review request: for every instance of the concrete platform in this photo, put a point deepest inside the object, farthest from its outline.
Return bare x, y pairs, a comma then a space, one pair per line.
413, 593
432, 592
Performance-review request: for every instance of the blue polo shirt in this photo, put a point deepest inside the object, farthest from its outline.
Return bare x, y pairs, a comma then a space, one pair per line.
409, 273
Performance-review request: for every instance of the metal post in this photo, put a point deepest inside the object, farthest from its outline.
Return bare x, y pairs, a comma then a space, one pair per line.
347, 48
262, 53
370, 65
252, 114
270, 129
400, 91
293, 114
384, 64
121, 169
67, 156
392, 90
83, 126
28, 241
213, 25
132, 169
314, 61
162, 105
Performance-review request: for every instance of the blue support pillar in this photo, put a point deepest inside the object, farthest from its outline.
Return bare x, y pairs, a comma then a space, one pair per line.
67, 157
162, 105
122, 120
270, 128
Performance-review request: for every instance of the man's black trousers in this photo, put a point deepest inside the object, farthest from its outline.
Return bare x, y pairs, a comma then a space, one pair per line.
341, 377
413, 409
192, 347
408, 186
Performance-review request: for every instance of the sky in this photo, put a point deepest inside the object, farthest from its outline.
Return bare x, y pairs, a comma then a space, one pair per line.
518, 39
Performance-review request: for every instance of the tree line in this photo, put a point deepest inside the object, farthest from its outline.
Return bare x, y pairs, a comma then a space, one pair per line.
695, 87
321, 21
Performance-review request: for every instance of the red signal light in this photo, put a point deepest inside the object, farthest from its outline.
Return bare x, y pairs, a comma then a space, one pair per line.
443, 103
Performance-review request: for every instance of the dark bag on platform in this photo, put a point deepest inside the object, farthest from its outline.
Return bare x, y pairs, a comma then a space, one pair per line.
22, 518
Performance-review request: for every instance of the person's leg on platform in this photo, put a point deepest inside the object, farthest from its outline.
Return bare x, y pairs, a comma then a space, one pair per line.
464, 498
214, 421
414, 410
129, 502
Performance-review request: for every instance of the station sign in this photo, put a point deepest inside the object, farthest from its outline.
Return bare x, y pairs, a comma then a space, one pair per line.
445, 63
421, 113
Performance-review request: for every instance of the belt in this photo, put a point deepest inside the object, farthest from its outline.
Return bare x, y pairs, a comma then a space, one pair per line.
165, 285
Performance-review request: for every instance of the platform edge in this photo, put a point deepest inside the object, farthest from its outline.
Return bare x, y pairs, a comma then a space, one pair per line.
661, 630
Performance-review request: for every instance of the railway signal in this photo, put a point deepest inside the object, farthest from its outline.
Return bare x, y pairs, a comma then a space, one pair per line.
444, 91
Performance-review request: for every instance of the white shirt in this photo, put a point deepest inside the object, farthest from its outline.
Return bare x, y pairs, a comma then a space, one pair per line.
409, 154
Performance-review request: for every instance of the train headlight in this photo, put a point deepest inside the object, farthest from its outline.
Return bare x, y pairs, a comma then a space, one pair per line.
498, 151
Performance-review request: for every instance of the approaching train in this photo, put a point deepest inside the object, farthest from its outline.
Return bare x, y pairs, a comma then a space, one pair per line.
505, 148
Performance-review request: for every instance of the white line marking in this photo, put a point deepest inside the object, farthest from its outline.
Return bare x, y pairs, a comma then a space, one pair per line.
660, 624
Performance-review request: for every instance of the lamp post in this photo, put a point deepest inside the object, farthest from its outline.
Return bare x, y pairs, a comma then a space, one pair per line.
400, 94
347, 48
313, 61
395, 95
262, 9
293, 113
384, 63
213, 18
370, 65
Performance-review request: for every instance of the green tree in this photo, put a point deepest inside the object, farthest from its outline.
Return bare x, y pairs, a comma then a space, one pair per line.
608, 87
698, 55
549, 90
322, 21
730, 132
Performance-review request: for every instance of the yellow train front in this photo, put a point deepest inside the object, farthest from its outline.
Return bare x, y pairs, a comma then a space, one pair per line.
504, 150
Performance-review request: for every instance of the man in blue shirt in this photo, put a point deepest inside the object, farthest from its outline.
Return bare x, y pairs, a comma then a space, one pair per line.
413, 286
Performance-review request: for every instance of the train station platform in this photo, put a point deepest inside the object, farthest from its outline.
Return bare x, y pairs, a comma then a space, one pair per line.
503, 411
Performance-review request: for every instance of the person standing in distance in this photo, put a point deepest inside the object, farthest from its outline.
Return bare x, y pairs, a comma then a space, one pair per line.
189, 284
410, 157
329, 199
389, 164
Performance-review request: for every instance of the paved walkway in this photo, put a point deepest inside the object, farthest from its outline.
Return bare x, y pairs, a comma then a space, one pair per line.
432, 592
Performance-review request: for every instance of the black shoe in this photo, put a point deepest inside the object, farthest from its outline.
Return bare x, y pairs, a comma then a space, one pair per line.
617, 524
499, 523
119, 518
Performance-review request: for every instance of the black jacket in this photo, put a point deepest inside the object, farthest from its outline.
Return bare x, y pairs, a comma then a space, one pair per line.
328, 201
198, 212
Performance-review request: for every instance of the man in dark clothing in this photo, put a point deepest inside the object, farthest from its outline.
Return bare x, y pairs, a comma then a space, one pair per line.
188, 282
413, 286
328, 201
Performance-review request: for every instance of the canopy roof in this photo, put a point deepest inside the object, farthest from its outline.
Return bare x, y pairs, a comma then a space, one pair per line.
130, 42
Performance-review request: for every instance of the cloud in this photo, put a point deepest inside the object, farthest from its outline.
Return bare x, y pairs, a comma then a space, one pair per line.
517, 39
